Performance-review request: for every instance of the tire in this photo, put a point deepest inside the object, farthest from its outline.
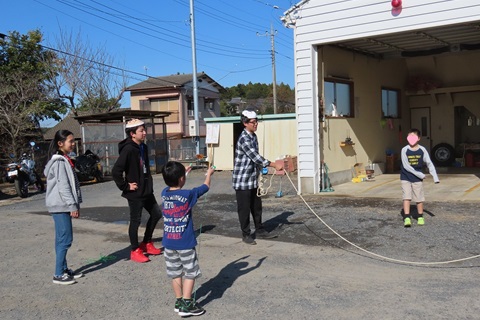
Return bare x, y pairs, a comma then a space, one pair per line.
99, 177
21, 186
443, 155
99, 173
40, 185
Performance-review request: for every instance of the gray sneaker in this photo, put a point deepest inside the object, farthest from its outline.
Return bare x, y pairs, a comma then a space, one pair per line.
248, 240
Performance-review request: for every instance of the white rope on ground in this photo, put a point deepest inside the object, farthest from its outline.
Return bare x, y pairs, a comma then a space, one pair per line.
373, 253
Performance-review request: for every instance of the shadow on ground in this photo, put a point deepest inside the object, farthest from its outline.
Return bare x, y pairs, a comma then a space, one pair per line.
215, 287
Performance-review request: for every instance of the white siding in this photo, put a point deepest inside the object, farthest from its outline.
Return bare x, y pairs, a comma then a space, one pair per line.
327, 21
333, 21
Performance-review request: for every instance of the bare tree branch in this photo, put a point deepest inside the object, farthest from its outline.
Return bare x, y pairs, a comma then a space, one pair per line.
85, 77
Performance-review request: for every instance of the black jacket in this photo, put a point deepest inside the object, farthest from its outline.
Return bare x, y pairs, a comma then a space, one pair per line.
129, 162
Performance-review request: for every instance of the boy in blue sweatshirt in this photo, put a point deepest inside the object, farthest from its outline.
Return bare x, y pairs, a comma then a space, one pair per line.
414, 158
179, 236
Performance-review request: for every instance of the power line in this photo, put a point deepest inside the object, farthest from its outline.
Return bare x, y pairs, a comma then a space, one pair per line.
154, 36
82, 6
149, 78
222, 41
145, 26
77, 5
168, 30
108, 31
250, 27
240, 71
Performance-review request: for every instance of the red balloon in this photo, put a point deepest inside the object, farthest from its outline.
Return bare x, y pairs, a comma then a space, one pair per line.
396, 3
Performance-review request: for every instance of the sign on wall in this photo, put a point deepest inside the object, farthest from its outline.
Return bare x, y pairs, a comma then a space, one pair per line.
213, 132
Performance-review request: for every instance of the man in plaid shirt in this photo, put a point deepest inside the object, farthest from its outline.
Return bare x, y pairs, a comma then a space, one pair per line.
248, 163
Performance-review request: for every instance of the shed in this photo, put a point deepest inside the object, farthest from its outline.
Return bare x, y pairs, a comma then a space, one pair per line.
276, 133
102, 132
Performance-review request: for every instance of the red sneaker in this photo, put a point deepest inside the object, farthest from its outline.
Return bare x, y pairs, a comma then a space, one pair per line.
149, 248
138, 256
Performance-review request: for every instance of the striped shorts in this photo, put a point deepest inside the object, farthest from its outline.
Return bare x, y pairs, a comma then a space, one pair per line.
182, 263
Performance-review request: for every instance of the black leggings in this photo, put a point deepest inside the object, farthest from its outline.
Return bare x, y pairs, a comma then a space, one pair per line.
136, 207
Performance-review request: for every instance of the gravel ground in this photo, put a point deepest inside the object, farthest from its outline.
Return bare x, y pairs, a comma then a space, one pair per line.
308, 272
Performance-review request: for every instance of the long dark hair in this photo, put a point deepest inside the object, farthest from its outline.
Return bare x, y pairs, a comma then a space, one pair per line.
60, 135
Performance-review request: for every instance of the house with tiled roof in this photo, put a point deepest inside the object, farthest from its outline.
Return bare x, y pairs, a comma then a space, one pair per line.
174, 94
68, 123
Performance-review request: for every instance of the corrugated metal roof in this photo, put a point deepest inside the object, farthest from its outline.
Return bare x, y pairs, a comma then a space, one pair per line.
451, 38
120, 115
264, 117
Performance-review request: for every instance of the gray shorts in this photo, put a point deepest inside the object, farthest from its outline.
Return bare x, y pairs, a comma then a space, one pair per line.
413, 191
182, 263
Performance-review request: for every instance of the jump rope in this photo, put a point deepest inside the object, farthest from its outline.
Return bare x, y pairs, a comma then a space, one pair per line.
262, 191
362, 249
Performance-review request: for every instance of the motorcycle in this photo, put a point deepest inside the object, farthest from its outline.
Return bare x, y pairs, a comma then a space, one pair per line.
22, 173
88, 167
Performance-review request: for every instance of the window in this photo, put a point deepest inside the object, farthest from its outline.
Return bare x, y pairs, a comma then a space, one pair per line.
208, 104
338, 98
390, 103
190, 108
170, 105
145, 105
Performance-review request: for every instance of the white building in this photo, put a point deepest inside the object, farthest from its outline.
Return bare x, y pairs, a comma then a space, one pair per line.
366, 72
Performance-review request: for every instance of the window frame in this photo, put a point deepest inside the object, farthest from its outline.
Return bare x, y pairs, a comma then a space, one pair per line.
208, 104
398, 106
166, 104
190, 107
350, 85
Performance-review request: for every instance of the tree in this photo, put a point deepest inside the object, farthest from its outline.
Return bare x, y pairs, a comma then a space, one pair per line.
84, 77
25, 94
285, 98
259, 96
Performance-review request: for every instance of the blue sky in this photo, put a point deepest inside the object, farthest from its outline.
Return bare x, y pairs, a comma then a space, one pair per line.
153, 37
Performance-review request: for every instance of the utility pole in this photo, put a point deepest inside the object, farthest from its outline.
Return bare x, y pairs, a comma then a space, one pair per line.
195, 85
274, 74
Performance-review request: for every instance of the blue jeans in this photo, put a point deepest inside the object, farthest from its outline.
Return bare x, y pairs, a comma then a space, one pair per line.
63, 240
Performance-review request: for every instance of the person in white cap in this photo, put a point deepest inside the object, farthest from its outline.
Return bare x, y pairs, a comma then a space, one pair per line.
131, 173
247, 167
